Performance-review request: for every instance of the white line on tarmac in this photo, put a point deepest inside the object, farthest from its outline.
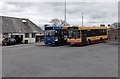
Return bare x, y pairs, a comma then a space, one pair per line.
19, 47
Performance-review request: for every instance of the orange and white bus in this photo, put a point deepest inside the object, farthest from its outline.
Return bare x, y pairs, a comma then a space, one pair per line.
86, 35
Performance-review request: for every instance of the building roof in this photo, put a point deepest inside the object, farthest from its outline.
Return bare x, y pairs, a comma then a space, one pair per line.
19, 25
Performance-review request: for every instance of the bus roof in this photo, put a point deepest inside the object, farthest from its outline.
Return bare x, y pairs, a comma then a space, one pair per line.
86, 28
65, 27
54, 27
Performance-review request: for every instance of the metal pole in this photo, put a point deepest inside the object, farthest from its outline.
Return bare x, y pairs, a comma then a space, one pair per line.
82, 18
65, 12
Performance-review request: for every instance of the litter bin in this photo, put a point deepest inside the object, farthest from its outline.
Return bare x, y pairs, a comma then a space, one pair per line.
26, 41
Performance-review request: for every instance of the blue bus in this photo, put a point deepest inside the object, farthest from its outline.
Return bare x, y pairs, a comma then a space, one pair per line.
55, 35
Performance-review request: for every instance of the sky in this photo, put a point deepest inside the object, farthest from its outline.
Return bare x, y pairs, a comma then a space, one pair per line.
41, 13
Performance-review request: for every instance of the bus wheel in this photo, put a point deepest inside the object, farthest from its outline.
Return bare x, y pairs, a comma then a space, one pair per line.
45, 43
89, 42
5, 44
101, 40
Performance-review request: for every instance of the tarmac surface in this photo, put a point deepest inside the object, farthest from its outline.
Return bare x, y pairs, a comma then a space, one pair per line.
38, 60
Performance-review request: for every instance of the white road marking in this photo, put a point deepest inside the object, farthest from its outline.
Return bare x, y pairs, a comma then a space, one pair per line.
17, 47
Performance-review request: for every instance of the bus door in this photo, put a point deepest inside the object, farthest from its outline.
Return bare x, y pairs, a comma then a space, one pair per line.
60, 35
65, 34
84, 36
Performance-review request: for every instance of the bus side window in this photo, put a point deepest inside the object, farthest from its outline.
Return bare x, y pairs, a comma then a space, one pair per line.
105, 32
88, 33
96, 32
92, 32
84, 33
100, 31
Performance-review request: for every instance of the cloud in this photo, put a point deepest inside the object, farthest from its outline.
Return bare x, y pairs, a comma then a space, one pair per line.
42, 12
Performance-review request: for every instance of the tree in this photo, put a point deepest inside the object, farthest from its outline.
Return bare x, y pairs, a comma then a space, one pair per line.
115, 25
59, 22
46, 25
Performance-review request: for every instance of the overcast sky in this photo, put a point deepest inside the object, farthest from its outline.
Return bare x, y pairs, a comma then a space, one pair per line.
42, 12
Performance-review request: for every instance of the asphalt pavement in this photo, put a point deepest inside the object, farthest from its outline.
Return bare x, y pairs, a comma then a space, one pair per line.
39, 60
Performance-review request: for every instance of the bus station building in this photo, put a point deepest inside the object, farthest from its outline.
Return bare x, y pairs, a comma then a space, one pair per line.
21, 29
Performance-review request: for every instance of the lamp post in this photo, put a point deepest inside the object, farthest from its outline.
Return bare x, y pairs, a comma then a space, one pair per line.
82, 18
65, 12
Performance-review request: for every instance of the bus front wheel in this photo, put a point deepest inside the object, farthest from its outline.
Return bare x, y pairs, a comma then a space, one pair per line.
101, 40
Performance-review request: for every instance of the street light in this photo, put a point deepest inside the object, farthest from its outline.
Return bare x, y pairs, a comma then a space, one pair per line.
82, 18
65, 12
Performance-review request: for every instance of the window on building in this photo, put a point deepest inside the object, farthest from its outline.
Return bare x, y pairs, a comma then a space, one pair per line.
33, 35
24, 21
27, 35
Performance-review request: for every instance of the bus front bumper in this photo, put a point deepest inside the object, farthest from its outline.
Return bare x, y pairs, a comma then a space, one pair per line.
74, 43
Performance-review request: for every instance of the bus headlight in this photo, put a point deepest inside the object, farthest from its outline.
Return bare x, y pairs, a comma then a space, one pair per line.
56, 39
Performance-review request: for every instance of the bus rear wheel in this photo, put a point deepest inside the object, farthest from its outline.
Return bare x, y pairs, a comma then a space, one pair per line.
5, 44
89, 42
